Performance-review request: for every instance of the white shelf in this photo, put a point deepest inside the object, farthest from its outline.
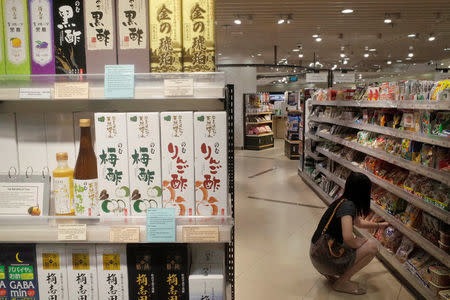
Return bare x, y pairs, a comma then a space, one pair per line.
331, 176
414, 236
430, 139
413, 199
147, 85
402, 104
44, 229
394, 263
438, 175
313, 137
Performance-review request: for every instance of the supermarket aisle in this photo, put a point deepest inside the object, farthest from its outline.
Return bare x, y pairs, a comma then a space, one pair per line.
273, 237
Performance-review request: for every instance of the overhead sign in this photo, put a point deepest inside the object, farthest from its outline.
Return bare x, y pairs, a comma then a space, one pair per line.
441, 76
340, 77
317, 77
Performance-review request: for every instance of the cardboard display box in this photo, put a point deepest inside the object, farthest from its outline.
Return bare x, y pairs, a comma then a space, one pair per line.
112, 272
52, 271
2, 44
206, 281
144, 271
82, 271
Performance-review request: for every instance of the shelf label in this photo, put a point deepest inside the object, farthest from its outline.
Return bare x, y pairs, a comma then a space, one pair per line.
71, 90
124, 235
182, 87
72, 232
203, 234
317, 77
340, 77
119, 81
35, 93
161, 227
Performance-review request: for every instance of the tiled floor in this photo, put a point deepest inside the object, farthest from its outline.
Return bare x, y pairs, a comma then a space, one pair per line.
273, 238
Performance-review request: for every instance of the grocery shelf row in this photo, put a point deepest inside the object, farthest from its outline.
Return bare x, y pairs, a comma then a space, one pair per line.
313, 155
400, 104
259, 123
438, 175
396, 190
292, 141
331, 176
430, 139
313, 137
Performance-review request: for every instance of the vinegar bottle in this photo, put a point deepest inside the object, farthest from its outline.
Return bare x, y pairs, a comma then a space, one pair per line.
63, 186
85, 174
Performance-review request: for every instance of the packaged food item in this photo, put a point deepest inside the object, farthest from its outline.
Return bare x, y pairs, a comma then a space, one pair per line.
405, 249
63, 186
444, 237
410, 217
436, 289
426, 155
82, 271
430, 228
425, 122
444, 295
112, 274
418, 259
392, 239
443, 159
440, 275
52, 271
444, 247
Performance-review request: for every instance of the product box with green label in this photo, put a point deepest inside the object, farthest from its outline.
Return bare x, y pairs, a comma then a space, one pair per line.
177, 156
112, 271
52, 271
211, 172
2, 46
144, 159
112, 163
19, 269
82, 271
17, 48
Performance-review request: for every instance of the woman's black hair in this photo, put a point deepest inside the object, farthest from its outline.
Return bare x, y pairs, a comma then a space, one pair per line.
357, 189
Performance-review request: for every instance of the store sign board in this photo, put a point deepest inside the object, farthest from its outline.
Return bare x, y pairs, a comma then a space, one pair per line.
161, 227
35, 93
317, 77
441, 76
344, 77
181, 87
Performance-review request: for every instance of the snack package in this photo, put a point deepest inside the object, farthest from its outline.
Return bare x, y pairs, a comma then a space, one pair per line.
405, 249
392, 239
429, 228
426, 155
410, 217
442, 159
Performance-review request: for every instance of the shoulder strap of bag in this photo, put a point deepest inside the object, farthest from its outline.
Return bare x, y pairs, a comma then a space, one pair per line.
332, 215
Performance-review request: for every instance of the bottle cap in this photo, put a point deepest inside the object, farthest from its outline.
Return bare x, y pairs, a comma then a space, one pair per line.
85, 122
62, 156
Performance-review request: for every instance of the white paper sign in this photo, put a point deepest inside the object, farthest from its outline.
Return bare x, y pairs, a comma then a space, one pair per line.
317, 77
35, 93
179, 87
71, 232
21, 198
71, 90
344, 77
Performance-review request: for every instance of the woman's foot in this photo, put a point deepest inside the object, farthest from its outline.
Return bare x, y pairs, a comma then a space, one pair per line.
349, 287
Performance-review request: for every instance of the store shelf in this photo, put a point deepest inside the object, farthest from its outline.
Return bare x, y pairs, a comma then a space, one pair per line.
292, 141
294, 111
430, 139
259, 123
147, 85
321, 193
313, 137
388, 258
259, 135
405, 104
45, 229
313, 155
414, 236
331, 176
438, 175
258, 113
398, 191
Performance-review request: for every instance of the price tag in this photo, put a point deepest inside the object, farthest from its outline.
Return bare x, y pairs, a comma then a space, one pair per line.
124, 235
161, 227
203, 234
35, 93
119, 81
72, 232
71, 90
179, 87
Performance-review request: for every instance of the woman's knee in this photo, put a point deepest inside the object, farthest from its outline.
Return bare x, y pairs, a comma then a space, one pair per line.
371, 246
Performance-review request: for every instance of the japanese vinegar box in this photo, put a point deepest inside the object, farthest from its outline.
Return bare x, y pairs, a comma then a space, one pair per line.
82, 271
112, 271
52, 271
177, 152
211, 172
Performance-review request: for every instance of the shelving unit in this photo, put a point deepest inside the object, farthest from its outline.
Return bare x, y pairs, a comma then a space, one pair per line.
400, 104
254, 120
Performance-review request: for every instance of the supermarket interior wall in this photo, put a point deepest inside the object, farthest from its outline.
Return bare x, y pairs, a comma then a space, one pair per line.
244, 80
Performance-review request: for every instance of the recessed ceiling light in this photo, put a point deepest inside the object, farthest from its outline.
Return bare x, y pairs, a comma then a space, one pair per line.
295, 50
408, 58
342, 55
238, 22
300, 55
399, 60
431, 38
347, 11
345, 62
280, 21
388, 21
334, 67
366, 54
259, 54
315, 35
412, 35
220, 54
410, 54
447, 49
389, 62
318, 39
372, 50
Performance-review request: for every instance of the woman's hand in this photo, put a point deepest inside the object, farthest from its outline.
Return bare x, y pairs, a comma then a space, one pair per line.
383, 225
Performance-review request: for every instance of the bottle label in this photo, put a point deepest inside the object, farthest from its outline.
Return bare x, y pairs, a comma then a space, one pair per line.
86, 191
61, 188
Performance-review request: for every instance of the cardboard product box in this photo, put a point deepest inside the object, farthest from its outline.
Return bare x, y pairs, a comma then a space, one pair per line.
174, 272
211, 168
207, 281
17, 47
133, 34
18, 277
208, 254
112, 272
144, 271
41, 37
112, 163
144, 159
177, 152
199, 42
100, 28
165, 36
2, 44
70, 53
52, 271
82, 271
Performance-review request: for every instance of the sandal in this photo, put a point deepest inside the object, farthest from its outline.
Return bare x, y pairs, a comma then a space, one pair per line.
349, 288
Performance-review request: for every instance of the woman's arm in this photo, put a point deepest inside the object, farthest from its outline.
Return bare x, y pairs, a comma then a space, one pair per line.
361, 223
347, 233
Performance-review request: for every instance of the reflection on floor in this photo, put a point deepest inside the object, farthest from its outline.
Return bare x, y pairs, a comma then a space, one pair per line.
276, 215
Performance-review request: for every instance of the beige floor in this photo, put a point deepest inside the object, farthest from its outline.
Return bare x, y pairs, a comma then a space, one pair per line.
272, 238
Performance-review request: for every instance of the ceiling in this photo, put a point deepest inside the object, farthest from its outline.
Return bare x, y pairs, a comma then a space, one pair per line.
253, 41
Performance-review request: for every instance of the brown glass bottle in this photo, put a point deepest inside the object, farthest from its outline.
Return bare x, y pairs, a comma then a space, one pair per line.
85, 176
